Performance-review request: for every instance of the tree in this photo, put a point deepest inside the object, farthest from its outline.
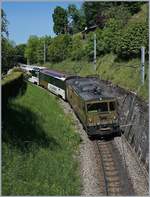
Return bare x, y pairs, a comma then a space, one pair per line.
8, 49
20, 53
131, 39
77, 50
60, 20
95, 12
31, 50
76, 19
133, 7
42, 48
120, 13
8, 55
60, 48
4, 24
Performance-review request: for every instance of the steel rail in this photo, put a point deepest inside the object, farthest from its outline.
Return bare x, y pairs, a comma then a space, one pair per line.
104, 174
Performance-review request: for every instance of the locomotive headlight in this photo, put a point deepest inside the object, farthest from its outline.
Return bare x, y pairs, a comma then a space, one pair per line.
90, 120
115, 118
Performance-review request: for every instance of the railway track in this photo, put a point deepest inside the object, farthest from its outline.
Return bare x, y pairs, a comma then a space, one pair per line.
114, 178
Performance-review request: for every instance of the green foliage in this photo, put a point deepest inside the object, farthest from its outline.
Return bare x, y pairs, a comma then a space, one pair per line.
34, 51
38, 147
131, 39
120, 13
4, 24
59, 48
142, 16
8, 55
31, 49
94, 12
60, 20
20, 52
8, 52
40, 50
78, 49
42, 47
12, 86
106, 39
120, 36
123, 73
76, 19
133, 7
82, 67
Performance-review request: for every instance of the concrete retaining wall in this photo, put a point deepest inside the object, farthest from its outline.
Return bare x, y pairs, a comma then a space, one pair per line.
134, 120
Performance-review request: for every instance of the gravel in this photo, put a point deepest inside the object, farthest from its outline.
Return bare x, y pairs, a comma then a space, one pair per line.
138, 176
89, 169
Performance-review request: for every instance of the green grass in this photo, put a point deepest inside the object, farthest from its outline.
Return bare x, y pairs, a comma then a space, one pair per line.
72, 67
39, 147
11, 77
123, 73
141, 16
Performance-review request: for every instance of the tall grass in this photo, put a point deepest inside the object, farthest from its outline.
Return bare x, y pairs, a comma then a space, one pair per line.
38, 147
123, 73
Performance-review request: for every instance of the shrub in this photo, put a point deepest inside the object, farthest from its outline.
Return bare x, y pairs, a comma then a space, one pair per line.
119, 13
106, 39
59, 48
12, 86
131, 39
77, 51
31, 49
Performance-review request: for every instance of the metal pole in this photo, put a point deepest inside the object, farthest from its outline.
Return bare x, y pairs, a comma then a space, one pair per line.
142, 64
44, 52
94, 51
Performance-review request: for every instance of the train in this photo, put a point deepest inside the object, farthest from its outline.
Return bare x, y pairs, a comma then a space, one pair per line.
97, 112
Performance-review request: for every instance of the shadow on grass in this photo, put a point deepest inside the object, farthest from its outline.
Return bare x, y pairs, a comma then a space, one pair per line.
22, 128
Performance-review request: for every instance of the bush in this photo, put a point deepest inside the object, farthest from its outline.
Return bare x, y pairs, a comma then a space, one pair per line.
8, 54
77, 51
119, 13
31, 49
131, 39
106, 39
12, 86
59, 48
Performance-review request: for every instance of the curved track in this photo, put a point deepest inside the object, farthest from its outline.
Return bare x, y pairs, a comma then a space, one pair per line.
114, 178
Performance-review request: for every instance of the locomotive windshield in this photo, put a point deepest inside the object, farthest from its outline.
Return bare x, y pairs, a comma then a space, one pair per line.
97, 107
112, 106
101, 107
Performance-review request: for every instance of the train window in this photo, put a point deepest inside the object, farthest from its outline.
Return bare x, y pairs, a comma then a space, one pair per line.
34, 73
52, 80
112, 106
98, 107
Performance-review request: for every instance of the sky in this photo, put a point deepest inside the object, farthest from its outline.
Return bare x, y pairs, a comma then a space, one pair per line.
32, 18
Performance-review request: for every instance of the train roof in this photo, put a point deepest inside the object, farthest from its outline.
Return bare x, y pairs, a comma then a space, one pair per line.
88, 88
56, 74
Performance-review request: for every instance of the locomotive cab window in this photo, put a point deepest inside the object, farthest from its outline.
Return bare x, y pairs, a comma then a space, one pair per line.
112, 106
97, 107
